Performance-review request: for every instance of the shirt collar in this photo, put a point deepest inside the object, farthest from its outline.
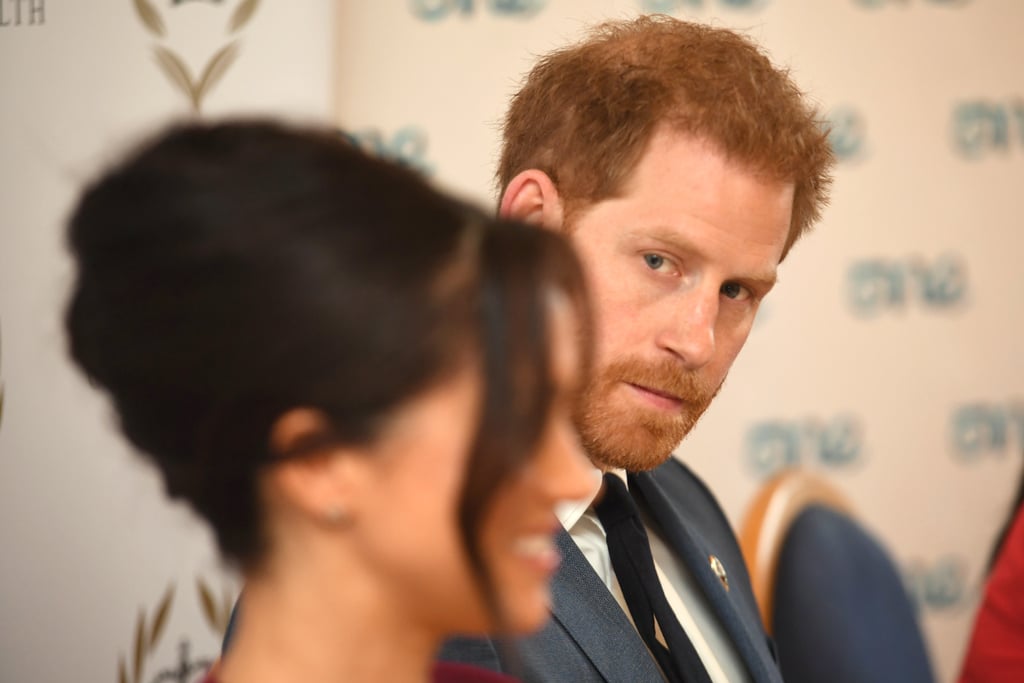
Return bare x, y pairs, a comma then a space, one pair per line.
570, 511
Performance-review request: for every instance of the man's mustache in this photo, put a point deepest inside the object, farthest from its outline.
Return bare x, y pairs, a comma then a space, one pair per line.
663, 377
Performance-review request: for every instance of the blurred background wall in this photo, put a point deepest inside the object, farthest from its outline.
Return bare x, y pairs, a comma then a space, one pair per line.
89, 548
884, 359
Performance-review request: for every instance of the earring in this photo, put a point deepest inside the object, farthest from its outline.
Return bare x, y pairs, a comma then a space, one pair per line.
336, 515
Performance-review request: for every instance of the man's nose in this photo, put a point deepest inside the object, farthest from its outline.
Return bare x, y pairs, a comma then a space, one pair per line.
688, 331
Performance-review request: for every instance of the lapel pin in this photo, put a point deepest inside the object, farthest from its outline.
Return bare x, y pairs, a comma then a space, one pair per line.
719, 569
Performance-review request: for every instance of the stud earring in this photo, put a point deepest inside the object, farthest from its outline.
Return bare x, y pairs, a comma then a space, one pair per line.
336, 515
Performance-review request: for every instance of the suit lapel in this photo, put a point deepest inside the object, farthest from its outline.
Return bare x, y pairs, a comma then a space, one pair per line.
586, 609
694, 550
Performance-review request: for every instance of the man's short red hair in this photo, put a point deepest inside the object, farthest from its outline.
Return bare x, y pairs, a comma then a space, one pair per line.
586, 113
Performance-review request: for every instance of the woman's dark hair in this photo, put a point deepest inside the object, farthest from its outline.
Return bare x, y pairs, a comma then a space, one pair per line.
227, 273
520, 269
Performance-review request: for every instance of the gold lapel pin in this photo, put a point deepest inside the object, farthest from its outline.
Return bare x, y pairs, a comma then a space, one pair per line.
719, 569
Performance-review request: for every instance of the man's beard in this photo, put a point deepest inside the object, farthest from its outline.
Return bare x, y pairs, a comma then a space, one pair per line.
616, 435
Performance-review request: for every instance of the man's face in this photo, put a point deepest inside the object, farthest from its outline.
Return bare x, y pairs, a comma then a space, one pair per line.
677, 265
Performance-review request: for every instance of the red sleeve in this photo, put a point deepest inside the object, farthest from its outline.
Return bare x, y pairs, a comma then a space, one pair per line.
451, 672
996, 651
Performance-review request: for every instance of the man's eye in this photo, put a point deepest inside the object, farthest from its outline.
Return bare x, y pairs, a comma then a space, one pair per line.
654, 261
734, 290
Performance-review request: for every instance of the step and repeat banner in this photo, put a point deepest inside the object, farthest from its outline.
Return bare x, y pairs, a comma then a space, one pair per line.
101, 579
886, 358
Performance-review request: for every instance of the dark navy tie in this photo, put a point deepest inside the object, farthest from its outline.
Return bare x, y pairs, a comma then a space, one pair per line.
630, 552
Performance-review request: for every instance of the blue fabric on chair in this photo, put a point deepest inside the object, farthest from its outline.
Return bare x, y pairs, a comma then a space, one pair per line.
842, 613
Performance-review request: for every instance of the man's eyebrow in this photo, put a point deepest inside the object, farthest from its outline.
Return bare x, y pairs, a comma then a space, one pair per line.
660, 233
761, 281
667, 235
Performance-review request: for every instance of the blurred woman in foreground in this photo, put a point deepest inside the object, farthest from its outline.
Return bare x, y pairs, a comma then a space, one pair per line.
364, 387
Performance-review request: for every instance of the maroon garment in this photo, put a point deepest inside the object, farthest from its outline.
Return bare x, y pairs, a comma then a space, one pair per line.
446, 672
450, 672
996, 651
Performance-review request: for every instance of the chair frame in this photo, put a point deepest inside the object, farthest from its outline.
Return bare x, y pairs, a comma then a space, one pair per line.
768, 520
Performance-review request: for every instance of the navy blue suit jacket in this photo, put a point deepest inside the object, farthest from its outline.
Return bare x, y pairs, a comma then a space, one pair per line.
590, 638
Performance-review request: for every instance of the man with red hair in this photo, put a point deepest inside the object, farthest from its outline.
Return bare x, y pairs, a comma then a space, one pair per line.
684, 166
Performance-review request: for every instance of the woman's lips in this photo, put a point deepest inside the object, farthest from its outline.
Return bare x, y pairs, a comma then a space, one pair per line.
538, 550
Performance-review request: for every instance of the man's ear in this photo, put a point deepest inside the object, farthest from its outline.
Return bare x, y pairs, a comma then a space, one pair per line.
531, 197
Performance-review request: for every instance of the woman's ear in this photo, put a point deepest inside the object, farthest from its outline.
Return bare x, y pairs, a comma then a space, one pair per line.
531, 197
295, 430
318, 480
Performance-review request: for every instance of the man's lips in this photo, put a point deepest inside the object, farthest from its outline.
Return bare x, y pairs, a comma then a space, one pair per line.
660, 399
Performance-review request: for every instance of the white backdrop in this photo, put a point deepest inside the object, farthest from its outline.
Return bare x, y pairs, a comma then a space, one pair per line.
884, 359
87, 540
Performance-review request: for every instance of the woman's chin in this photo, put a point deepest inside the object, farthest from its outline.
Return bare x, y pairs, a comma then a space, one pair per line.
529, 615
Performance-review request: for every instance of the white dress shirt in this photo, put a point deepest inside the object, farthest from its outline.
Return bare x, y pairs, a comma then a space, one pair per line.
709, 639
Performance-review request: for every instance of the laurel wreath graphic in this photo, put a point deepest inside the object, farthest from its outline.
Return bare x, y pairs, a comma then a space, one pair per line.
217, 616
174, 67
148, 631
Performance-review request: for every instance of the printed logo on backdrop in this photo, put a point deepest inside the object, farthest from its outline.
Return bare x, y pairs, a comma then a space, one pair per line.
670, 6
16, 13
196, 85
155, 656
877, 286
406, 146
835, 443
847, 134
941, 585
438, 10
983, 430
982, 128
